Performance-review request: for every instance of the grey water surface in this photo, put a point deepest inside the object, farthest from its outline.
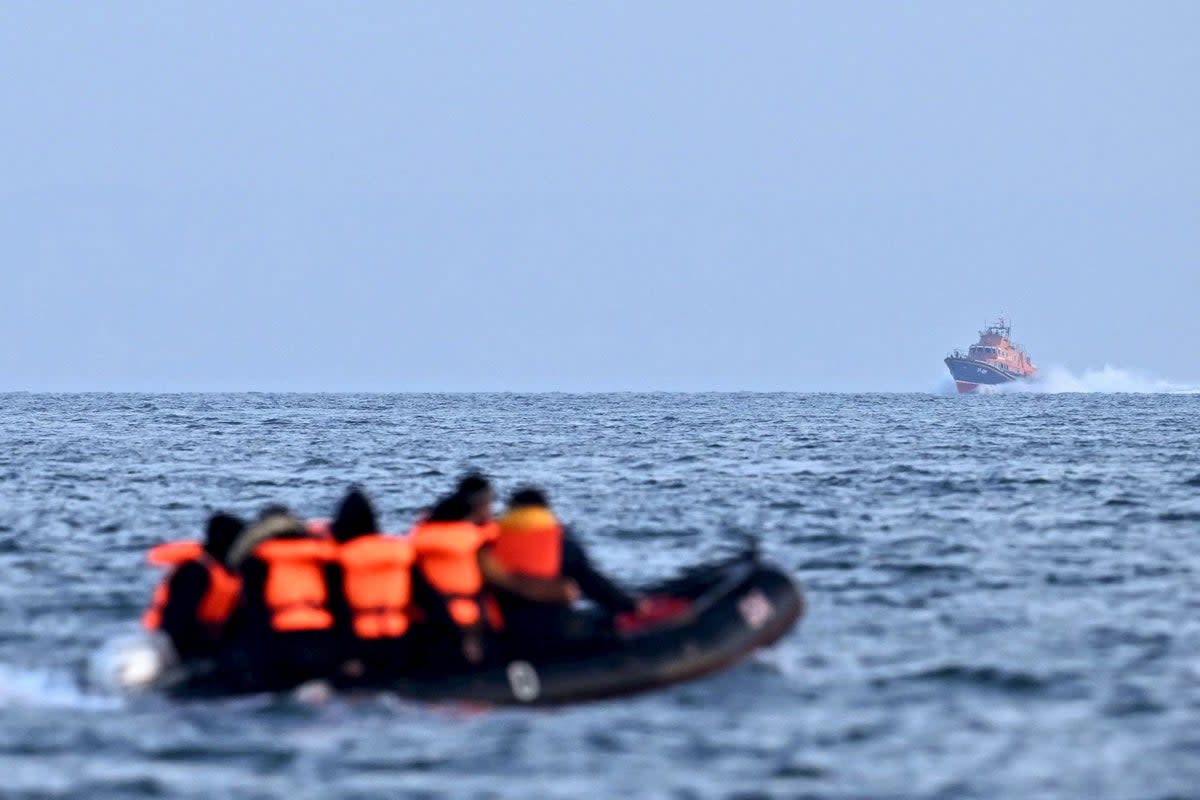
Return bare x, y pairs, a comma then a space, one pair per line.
1003, 592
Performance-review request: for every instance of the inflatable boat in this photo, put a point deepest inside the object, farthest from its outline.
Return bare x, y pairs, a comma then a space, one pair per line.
703, 621
709, 619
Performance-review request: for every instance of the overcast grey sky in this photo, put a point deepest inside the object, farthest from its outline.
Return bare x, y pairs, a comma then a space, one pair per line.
393, 196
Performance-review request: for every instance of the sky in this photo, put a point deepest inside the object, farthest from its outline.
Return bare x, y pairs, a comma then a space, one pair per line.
309, 196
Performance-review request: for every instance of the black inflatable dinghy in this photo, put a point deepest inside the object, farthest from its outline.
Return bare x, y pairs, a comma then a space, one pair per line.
703, 621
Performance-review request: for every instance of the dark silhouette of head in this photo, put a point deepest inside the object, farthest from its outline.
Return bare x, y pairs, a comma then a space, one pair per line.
221, 532
451, 508
476, 491
354, 517
473, 483
527, 497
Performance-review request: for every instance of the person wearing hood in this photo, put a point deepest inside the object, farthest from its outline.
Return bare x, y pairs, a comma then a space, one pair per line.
194, 604
286, 635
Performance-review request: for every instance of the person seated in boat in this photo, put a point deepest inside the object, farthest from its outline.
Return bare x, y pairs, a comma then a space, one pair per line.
456, 574
476, 490
532, 542
370, 588
286, 627
195, 602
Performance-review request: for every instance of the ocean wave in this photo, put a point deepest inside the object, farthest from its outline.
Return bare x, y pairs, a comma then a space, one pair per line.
987, 677
1062, 380
1106, 380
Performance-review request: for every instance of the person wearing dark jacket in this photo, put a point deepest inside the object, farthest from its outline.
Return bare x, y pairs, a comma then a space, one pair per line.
194, 604
456, 576
286, 628
370, 592
532, 542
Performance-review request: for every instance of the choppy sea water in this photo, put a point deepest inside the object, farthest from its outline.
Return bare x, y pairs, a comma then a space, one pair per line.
1003, 592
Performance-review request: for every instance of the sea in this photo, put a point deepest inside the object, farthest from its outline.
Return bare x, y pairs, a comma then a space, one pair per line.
1003, 592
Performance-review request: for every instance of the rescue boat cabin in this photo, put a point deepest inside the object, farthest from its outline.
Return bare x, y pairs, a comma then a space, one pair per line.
995, 347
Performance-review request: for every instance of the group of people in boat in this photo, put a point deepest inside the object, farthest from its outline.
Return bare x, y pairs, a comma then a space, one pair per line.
279, 601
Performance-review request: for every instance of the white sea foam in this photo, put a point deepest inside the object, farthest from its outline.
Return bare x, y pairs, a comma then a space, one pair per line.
47, 688
1056, 379
1108, 380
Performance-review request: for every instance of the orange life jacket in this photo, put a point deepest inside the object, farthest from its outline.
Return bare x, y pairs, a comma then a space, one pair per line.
219, 601
377, 581
295, 593
448, 555
530, 542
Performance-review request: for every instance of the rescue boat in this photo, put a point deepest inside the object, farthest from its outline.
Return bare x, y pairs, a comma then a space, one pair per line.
707, 619
991, 361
